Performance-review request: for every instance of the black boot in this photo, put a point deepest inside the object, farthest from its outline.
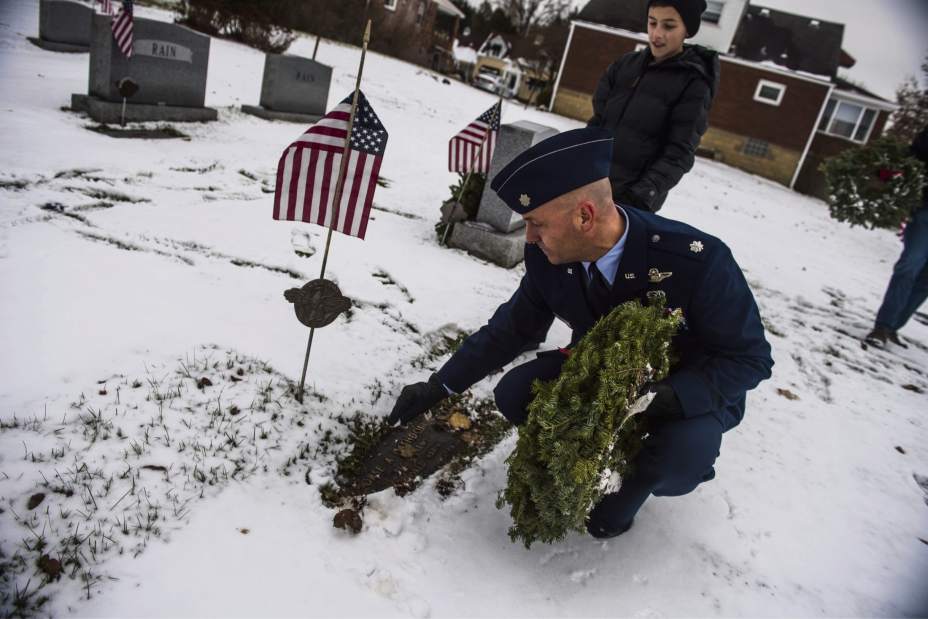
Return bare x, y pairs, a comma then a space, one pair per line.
878, 337
894, 338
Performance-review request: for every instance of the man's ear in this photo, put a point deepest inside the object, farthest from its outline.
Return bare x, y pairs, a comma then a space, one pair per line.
587, 212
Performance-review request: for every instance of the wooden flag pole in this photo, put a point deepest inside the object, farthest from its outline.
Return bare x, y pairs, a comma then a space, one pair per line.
337, 198
470, 172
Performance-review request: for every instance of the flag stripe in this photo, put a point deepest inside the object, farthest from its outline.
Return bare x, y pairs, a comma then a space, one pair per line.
298, 213
315, 200
369, 199
347, 187
294, 178
327, 186
283, 184
359, 190
281, 167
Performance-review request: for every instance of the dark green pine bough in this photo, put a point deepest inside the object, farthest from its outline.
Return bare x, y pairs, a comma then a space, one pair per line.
574, 435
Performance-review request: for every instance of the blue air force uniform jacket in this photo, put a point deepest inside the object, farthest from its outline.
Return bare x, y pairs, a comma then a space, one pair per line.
721, 347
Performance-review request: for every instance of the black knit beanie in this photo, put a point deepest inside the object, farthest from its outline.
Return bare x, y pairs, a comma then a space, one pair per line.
690, 10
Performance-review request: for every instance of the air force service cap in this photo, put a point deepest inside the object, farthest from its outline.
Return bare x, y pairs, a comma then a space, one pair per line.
553, 167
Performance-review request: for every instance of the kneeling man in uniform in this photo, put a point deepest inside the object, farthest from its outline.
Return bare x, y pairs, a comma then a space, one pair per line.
584, 255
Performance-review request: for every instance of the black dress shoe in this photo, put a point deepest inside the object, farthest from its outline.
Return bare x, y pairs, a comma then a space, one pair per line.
599, 530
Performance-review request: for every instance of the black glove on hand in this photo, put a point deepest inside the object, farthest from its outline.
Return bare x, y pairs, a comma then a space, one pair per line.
665, 405
417, 398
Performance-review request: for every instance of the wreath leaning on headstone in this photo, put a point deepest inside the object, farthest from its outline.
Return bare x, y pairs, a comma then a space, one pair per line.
579, 429
877, 186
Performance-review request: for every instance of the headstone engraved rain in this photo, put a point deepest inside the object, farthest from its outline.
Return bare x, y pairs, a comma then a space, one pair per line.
169, 63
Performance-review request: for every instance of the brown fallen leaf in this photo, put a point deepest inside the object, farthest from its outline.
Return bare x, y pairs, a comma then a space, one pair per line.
407, 451
459, 421
786, 393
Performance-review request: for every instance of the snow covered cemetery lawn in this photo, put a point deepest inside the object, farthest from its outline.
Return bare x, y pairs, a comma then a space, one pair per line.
132, 270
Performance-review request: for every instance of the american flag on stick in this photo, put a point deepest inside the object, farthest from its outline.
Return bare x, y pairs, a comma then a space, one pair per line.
122, 28
471, 150
307, 174
106, 6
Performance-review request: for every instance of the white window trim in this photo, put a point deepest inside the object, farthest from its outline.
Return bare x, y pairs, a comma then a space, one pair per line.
390, 5
860, 117
781, 88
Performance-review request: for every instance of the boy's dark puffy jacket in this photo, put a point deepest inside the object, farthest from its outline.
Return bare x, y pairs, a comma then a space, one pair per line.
657, 113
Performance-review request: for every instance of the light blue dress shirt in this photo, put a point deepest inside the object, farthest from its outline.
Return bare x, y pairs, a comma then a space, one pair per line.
608, 264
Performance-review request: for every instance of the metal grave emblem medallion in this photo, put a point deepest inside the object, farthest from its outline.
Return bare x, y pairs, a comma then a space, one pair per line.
318, 302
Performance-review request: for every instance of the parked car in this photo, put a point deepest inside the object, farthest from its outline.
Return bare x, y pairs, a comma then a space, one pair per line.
488, 82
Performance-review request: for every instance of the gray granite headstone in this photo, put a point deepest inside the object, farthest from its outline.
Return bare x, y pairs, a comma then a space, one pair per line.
168, 62
295, 84
64, 24
513, 139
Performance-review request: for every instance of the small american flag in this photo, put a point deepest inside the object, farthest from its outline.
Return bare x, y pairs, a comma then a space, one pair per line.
122, 28
307, 174
106, 6
471, 150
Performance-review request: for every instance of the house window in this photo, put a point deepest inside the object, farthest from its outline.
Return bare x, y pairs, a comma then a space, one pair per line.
390, 4
826, 117
769, 92
863, 127
756, 148
847, 120
713, 12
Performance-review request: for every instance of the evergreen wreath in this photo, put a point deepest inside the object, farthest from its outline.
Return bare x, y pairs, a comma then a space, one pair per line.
876, 186
574, 437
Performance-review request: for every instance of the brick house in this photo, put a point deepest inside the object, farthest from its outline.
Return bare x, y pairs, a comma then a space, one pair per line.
420, 31
780, 110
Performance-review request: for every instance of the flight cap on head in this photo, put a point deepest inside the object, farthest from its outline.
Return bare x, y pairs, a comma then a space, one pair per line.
553, 167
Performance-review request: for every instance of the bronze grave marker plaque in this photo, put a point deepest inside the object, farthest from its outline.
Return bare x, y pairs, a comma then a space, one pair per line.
406, 455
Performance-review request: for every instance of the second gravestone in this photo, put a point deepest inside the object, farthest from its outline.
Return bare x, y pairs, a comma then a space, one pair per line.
293, 88
497, 234
168, 63
64, 26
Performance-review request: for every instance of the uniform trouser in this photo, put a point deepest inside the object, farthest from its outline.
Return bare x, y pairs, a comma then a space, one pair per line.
908, 287
676, 457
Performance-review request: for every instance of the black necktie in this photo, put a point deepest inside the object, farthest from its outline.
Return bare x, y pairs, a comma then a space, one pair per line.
598, 291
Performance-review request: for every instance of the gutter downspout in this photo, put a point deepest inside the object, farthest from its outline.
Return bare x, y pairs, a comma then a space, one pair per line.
560, 71
805, 152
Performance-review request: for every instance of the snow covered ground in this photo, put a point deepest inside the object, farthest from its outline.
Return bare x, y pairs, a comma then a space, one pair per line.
132, 269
